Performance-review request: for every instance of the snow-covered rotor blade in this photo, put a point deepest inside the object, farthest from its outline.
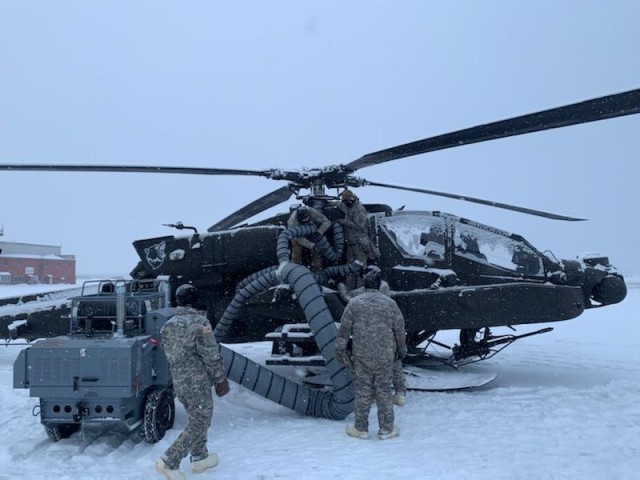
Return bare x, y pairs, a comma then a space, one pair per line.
491, 203
601, 108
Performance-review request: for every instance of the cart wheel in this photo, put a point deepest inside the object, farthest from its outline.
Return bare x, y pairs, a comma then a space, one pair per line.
159, 414
58, 431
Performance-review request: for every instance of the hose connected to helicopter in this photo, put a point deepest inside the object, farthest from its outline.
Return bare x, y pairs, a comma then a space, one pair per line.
283, 253
335, 404
283, 250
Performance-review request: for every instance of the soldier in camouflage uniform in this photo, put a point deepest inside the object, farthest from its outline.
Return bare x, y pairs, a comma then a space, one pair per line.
398, 379
301, 246
196, 366
358, 245
376, 327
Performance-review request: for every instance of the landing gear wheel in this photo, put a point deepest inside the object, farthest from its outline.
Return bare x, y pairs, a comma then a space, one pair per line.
470, 346
468, 336
58, 431
159, 414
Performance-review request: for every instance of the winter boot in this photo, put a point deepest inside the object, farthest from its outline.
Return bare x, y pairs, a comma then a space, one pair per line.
199, 466
352, 431
387, 434
399, 399
169, 473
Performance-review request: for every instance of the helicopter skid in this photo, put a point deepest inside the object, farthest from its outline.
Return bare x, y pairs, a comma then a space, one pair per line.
435, 380
307, 361
424, 380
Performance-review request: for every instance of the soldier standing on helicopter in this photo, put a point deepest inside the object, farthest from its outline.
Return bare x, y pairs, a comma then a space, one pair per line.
358, 245
301, 246
196, 366
376, 327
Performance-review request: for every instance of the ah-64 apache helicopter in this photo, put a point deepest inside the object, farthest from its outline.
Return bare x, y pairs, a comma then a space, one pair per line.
445, 272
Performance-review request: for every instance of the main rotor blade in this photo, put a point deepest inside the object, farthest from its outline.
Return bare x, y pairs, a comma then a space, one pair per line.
131, 168
263, 203
610, 106
490, 203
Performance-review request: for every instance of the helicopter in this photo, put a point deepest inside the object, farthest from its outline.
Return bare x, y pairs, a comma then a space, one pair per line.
445, 272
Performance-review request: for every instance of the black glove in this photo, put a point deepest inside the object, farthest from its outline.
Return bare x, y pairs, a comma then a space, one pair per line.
222, 388
315, 237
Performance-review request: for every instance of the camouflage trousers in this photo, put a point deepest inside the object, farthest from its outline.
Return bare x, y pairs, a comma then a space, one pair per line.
193, 440
355, 251
312, 259
373, 384
399, 383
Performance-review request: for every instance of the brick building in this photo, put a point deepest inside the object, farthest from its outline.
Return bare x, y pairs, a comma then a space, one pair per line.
30, 263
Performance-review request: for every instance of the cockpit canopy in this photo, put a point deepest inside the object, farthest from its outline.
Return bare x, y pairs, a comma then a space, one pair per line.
435, 237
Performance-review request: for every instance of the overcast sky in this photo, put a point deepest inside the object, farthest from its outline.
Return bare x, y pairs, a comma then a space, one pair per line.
291, 84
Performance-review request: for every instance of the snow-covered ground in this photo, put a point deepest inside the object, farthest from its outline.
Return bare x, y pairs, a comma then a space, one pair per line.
7, 291
565, 404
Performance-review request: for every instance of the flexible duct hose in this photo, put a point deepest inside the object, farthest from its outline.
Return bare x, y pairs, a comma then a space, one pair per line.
337, 271
258, 285
243, 283
337, 403
283, 246
328, 251
321, 278
338, 239
283, 250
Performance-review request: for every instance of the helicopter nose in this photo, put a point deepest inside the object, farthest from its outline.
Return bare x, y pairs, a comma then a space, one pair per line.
611, 289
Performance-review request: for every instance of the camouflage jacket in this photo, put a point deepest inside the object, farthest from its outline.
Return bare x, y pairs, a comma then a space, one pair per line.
355, 223
321, 222
376, 326
188, 342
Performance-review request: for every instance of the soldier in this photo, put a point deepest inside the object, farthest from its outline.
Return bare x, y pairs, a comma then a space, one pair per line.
358, 245
300, 246
196, 366
526, 262
399, 380
376, 327
469, 244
